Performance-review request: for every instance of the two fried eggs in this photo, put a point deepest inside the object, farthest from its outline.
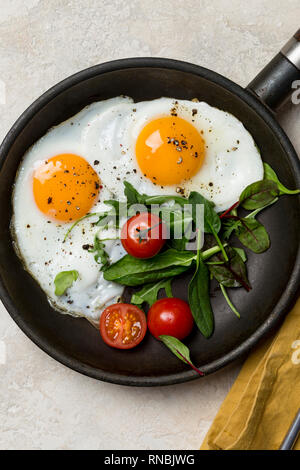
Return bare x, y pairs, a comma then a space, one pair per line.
164, 146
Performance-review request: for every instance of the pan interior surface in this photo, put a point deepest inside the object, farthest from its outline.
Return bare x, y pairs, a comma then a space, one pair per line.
272, 275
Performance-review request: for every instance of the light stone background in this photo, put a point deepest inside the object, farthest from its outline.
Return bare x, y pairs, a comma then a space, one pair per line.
43, 405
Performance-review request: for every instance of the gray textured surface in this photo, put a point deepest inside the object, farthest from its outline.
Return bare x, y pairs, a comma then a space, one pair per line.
42, 404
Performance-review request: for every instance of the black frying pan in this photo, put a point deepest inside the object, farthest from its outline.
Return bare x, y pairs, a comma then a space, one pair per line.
274, 275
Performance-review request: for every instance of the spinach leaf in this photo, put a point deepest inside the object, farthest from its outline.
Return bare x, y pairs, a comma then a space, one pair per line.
149, 200
181, 229
271, 175
180, 243
258, 194
132, 195
149, 292
177, 219
212, 222
64, 280
119, 210
146, 276
253, 235
256, 211
230, 274
101, 256
199, 300
130, 271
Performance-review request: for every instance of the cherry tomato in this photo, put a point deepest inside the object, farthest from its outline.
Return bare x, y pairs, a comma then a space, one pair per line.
171, 317
123, 326
143, 235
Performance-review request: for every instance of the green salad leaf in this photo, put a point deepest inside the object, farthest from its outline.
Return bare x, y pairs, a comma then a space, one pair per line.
251, 233
64, 280
101, 256
240, 252
199, 299
269, 174
132, 195
130, 271
149, 292
150, 200
232, 273
179, 223
180, 243
212, 222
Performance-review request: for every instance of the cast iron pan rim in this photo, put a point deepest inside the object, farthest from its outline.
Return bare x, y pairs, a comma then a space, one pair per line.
287, 299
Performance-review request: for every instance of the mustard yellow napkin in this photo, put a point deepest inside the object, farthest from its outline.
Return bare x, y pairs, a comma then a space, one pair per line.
265, 398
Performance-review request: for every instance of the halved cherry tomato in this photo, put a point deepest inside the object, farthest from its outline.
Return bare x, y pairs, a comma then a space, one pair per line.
170, 316
143, 235
123, 326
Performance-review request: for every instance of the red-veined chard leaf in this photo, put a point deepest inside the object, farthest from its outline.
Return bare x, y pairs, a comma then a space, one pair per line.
258, 194
253, 235
232, 273
249, 231
180, 350
149, 292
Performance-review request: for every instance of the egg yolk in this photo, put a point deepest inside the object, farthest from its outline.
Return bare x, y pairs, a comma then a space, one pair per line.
169, 150
65, 187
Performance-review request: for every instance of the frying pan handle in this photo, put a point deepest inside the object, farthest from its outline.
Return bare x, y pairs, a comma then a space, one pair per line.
273, 85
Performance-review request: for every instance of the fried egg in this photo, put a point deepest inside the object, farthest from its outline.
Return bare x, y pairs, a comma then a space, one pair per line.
169, 146
55, 186
164, 146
